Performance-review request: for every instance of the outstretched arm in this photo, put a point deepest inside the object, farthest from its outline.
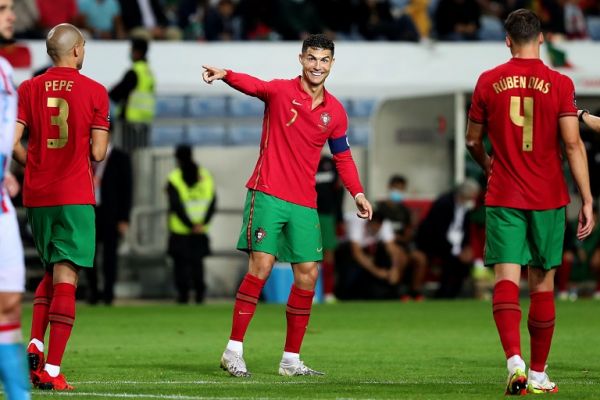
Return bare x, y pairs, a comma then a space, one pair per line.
592, 121
576, 155
246, 84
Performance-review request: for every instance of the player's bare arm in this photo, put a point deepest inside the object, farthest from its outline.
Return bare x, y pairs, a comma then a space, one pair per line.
212, 74
365, 210
577, 158
19, 151
475, 145
99, 144
11, 184
592, 121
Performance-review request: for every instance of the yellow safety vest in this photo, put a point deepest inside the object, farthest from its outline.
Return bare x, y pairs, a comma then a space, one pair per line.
195, 200
141, 102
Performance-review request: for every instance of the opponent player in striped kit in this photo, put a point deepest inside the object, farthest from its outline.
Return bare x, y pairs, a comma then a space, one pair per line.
280, 216
13, 370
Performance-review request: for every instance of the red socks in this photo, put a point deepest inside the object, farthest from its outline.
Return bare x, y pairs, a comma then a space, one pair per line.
298, 314
541, 327
62, 317
328, 277
245, 305
41, 306
563, 274
507, 314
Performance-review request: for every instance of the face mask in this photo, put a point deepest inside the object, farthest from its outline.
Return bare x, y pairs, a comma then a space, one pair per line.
469, 205
397, 196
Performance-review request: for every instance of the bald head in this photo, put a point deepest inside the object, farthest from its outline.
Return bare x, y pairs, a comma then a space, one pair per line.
61, 42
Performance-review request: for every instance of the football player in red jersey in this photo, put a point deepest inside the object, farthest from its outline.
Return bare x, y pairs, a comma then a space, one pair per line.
67, 117
527, 109
280, 216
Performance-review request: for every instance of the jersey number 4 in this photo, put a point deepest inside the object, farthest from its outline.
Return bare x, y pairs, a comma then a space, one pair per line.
525, 121
59, 120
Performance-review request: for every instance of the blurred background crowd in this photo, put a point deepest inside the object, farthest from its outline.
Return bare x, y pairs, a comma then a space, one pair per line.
226, 20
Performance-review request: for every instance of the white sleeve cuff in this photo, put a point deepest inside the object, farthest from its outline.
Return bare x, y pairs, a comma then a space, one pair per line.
358, 194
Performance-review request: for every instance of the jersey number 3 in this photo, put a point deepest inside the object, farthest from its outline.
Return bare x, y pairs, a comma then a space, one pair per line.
59, 120
525, 121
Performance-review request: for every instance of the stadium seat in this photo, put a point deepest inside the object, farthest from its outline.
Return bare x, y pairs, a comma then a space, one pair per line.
170, 106
200, 107
198, 135
363, 107
358, 134
246, 107
347, 103
245, 135
167, 135
593, 25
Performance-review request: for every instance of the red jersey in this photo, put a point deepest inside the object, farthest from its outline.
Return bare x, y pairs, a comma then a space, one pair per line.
520, 103
292, 139
60, 108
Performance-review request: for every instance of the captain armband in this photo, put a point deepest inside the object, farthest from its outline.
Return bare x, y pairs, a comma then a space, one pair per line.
338, 145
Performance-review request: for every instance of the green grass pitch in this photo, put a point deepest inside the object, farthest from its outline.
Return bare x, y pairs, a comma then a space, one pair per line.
430, 350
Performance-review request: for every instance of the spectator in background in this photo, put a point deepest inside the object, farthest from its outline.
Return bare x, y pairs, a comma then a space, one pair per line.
221, 23
297, 18
102, 18
375, 22
113, 184
56, 12
28, 16
192, 203
394, 210
457, 20
575, 25
444, 236
190, 18
329, 206
371, 262
257, 19
146, 18
335, 18
135, 94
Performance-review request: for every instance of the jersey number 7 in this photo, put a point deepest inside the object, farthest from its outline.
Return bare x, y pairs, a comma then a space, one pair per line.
59, 120
525, 121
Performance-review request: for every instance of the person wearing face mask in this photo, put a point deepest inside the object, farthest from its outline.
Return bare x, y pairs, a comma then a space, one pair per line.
444, 236
395, 210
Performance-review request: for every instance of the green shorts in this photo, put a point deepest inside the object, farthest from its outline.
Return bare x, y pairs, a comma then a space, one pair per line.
64, 233
328, 235
286, 230
524, 237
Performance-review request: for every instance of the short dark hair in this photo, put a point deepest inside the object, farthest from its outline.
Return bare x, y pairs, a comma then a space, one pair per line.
139, 45
397, 180
522, 26
318, 41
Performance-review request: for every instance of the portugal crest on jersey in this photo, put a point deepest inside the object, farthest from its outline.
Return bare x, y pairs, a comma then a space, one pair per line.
259, 235
325, 118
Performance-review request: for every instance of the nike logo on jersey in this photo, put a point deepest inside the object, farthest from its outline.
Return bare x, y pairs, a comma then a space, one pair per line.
294, 102
320, 249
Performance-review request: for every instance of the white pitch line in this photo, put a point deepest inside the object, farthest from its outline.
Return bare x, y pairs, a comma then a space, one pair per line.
141, 396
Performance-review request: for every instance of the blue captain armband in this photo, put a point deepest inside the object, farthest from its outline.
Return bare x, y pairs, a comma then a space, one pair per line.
338, 145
